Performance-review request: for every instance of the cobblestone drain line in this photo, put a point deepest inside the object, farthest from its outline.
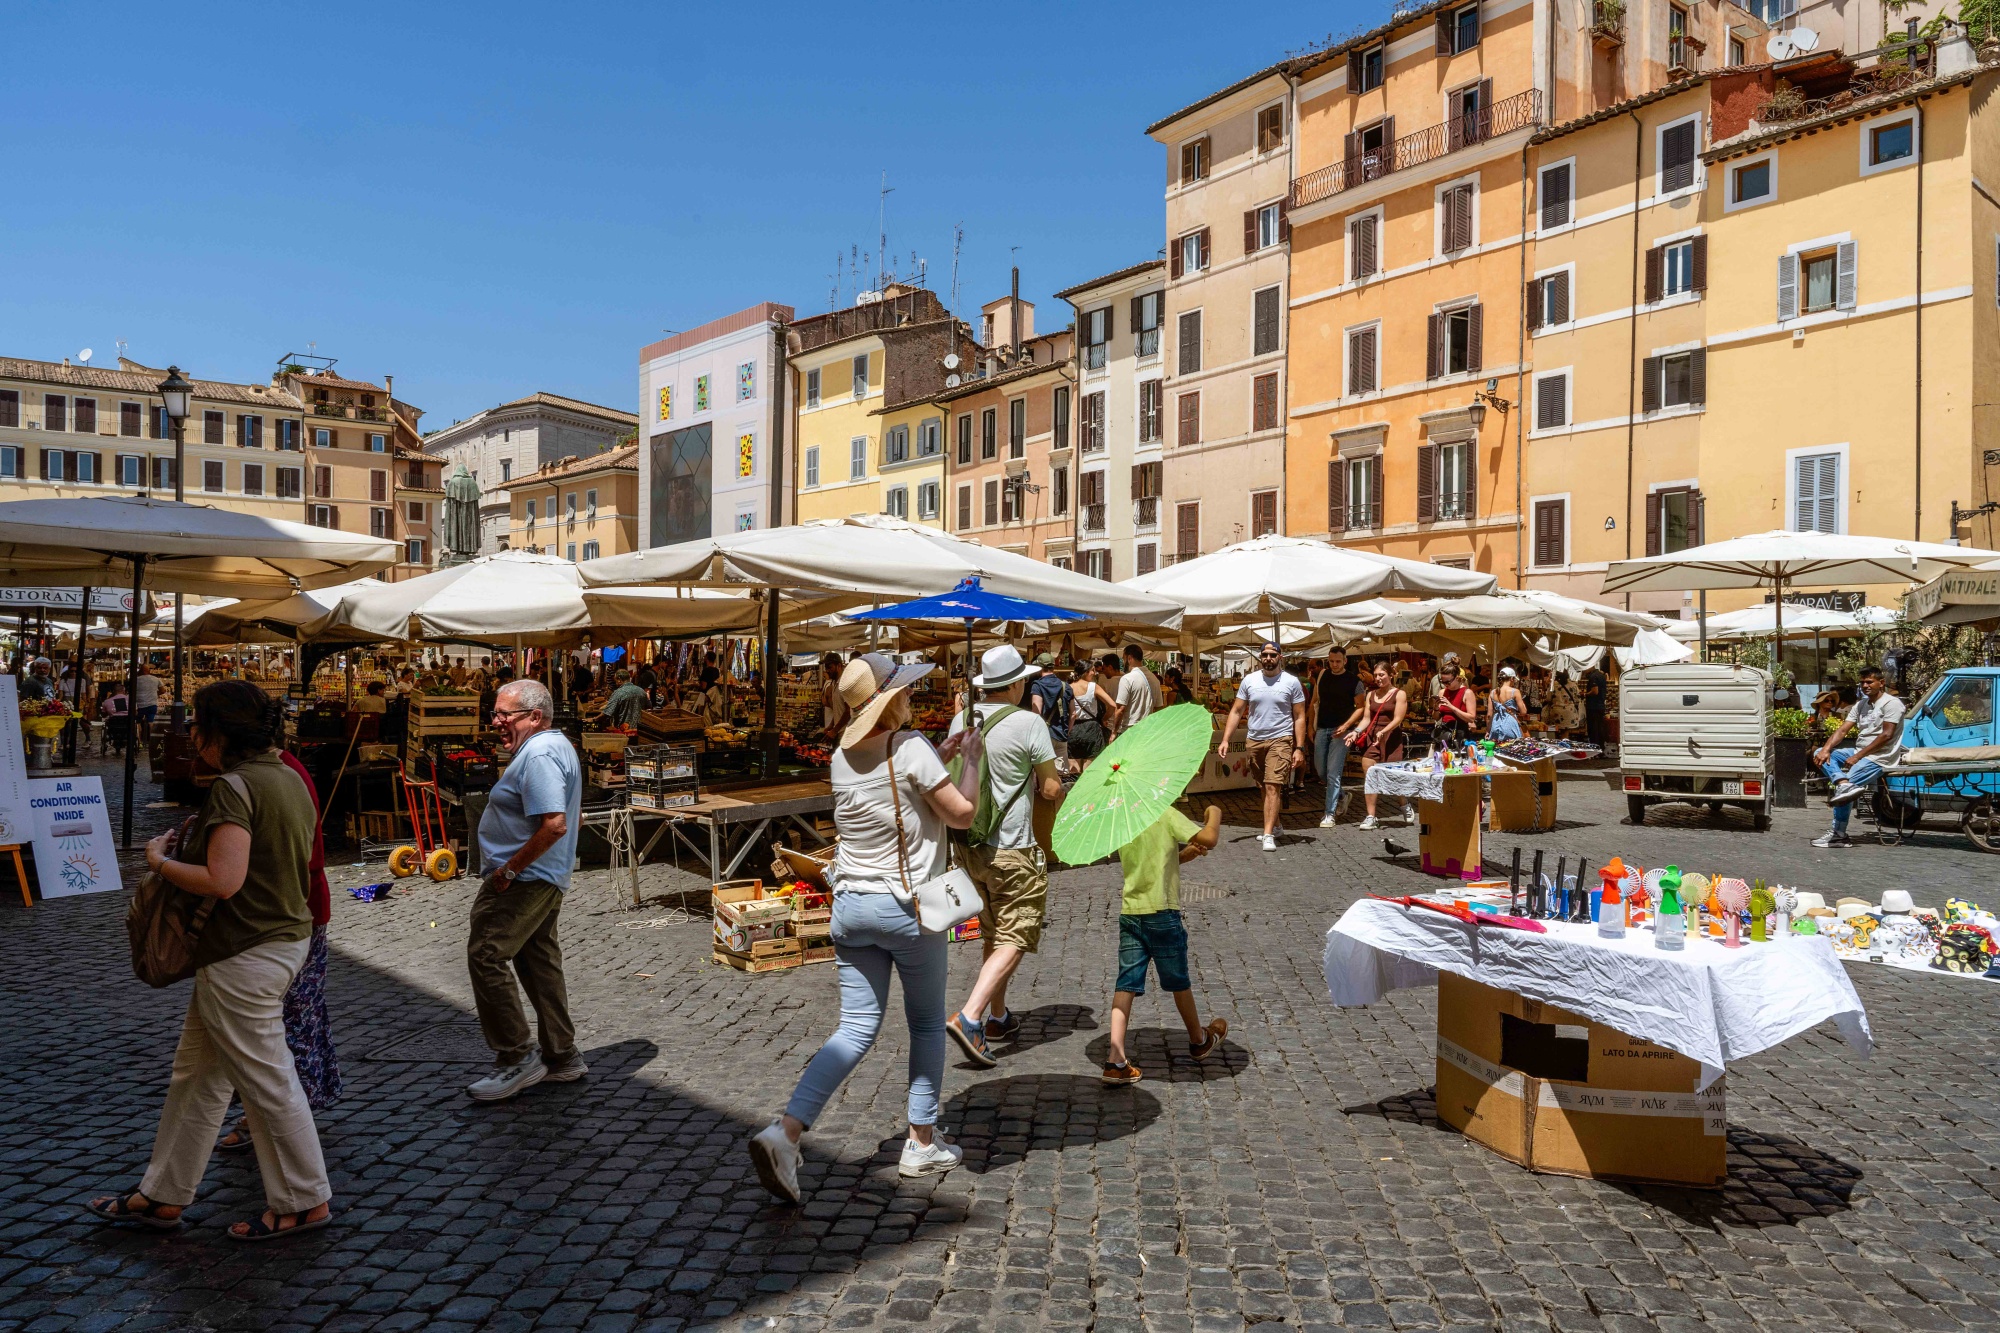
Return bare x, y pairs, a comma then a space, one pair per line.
1300, 1181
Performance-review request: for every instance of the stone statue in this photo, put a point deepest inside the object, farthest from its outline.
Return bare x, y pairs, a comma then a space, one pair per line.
461, 518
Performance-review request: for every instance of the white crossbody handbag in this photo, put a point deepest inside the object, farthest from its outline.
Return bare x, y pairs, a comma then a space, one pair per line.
943, 902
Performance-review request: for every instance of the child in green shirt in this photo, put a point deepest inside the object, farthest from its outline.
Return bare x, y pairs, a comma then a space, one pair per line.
1150, 931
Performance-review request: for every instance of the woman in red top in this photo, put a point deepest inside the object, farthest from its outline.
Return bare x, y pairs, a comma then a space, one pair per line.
308, 1032
1458, 708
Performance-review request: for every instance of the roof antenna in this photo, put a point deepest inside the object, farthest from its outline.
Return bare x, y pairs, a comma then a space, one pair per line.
882, 235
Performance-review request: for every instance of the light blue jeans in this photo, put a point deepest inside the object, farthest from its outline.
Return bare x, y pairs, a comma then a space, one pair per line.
1861, 775
872, 932
1330, 754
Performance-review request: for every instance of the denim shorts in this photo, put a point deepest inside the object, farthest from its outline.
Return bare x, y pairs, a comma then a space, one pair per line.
1158, 938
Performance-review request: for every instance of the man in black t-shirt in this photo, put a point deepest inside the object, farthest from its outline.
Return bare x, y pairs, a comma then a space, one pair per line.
1596, 692
1333, 698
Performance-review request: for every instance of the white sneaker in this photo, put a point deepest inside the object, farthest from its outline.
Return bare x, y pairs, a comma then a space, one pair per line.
1371, 822
1409, 818
1269, 843
1328, 822
932, 1159
777, 1159
509, 1080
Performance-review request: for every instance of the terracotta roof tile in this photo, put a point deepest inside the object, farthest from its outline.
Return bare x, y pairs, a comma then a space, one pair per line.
143, 382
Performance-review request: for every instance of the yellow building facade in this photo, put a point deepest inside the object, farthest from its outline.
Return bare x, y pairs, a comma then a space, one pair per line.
839, 388
577, 508
910, 460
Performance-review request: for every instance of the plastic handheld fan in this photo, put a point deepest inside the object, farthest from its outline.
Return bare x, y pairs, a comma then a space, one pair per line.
1734, 897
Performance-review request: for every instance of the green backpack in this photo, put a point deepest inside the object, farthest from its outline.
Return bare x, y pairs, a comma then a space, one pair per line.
987, 813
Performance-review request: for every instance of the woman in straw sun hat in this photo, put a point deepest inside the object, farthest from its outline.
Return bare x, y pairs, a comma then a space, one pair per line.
892, 802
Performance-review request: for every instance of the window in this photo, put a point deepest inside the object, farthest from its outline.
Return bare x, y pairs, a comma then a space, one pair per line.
930, 437
860, 377
1751, 182
1816, 493
413, 551
1266, 314
288, 435
211, 476
55, 412
991, 506
414, 510
1369, 152
965, 439
378, 522
1148, 313
378, 486
569, 506
1263, 513
1556, 195
1548, 300
1364, 258
590, 550
927, 499
1677, 32
896, 445
1146, 486
1455, 339
1096, 338
162, 429
289, 483
1552, 401
211, 428
1551, 533
1017, 428
1446, 481
898, 505
1469, 115
857, 458
10, 407
86, 416
1146, 557
131, 470
506, 469
1677, 268
1819, 284
1891, 144
250, 432
1059, 491
533, 512
1194, 161
1364, 69
1737, 55
989, 434
1188, 341
1673, 520
746, 381
1090, 499
1191, 253
1059, 411
1457, 30
55, 464
1152, 404
812, 465
590, 505
1096, 564
1361, 360
700, 405
1677, 150
1189, 407
569, 552
1271, 128
1676, 379
323, 483
1187, 530
1264, 402
323, 438
964, 508
378, 444
1010, 499
253, 478
323, 516
1354, 494
1454, 218
1264, 227
165, 474
1822, 279
812, 388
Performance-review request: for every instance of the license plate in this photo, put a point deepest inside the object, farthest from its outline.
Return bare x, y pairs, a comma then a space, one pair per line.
1732, 789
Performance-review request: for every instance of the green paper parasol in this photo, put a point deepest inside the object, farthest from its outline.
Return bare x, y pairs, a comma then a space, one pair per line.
1132, 783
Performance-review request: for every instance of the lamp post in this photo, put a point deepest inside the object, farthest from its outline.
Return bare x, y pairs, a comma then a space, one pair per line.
175, 391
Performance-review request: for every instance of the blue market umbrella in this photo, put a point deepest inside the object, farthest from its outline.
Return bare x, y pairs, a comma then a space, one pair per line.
970, 603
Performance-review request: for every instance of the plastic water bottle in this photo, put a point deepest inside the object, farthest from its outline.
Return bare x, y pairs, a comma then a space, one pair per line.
1670, 921
1611, 910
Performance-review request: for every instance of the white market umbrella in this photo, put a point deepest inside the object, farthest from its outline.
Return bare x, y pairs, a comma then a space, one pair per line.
1525, 612
1650, 647
854, 561
300, 617
1753, 623
1957, 597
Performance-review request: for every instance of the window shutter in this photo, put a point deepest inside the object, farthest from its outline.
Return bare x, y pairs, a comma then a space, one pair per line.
1336, 497
1535, 303
1111, 322
45, 465
1187, 530
1249, 231
1458, 218
1174, 258
1788, 287
1468, 493
1655, 258
1350, 153
1482, 126
1698, 269
1696, 503
1426, 482
1454, 121
1550, 391
1387, 161
992, 502
1677, 158
1698, 377
1284, 219
1653, 523
1203, 247
1138, 314
1559, 296
1190, 418
1475, 327
1548, 533
1444, 33
1353, 72
1845, 280
1361, 362
1555, 196
1649, 392
1434, 358
1373, 517
97, 467
964, 508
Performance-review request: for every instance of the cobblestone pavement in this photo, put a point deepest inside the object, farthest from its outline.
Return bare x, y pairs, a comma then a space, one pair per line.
1300, 1181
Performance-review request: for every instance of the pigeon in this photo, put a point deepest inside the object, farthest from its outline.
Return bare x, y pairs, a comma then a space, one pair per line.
1394, 848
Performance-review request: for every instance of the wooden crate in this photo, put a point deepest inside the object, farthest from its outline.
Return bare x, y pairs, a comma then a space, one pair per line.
817, 954
444, 715
790, 956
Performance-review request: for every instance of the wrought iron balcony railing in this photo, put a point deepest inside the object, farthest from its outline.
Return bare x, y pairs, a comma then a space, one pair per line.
1426, 145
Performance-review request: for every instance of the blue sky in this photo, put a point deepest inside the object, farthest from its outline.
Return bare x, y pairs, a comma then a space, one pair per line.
488, 200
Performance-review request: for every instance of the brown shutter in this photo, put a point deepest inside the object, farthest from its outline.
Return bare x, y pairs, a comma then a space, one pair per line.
1336, 497
1354, 71
1350, 154
1468, 496
1187, 529
1203, 248
1454, 121
45, 465
1174, 257
1434, 360
1111, 322
1249, 231
1284, 219
1458, 217
1535, 303
1698, 377
1371, 359
1653, 282
1699, 274
1475, 327
1559, 295
1444, 33
1649, 393
1190, 418
1653, 523
1484, 125
1696, 502
1426, 482
1373, 518
1138, 313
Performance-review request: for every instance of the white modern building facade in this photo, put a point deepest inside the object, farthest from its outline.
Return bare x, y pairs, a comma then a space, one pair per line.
1120, 419
710, 399
518, 439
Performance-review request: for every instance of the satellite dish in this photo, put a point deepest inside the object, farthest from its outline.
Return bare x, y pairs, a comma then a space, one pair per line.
1805, 39
951, 360
84, 355
951, 381
1781, 47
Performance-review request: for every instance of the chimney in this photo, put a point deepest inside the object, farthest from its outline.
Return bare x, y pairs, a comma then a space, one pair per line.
389, 381
1014, 311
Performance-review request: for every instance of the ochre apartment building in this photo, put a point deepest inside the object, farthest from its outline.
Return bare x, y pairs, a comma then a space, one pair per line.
577, 508
1013, 461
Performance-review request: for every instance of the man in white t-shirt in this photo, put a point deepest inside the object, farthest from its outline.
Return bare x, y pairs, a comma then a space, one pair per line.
1876, 720
146, 703
1275, 703
1019, 761
1138, 692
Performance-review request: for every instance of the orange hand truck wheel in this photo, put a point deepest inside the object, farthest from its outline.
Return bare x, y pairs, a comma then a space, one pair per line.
403, 861
441, 864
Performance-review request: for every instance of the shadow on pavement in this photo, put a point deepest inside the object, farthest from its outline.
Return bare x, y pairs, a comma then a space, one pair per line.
1048, 1023
1162, 1054
1002, 1120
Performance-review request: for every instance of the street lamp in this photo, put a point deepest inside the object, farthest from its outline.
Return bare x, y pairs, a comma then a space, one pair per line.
175, 390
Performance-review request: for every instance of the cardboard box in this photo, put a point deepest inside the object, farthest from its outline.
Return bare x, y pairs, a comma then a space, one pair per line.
1524, 799
1448, 830
966, 930
1560, 1094
790, 955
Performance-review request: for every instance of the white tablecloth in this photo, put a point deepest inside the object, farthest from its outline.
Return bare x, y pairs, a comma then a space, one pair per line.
1398, 780
1710, 1003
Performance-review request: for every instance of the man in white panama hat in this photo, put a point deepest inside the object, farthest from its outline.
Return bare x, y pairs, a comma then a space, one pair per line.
1005, 861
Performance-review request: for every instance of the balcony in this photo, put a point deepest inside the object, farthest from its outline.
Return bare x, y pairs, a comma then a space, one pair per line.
348, 412
1093, 518
1146, 512
1179, 557
1427, 145
1364, 515
1607, 24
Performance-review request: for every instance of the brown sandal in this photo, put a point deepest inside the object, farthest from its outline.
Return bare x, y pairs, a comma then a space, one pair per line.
116, 1211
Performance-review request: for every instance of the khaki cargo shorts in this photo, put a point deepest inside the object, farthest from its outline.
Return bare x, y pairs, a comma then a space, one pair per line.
1014, 885
1271, 761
